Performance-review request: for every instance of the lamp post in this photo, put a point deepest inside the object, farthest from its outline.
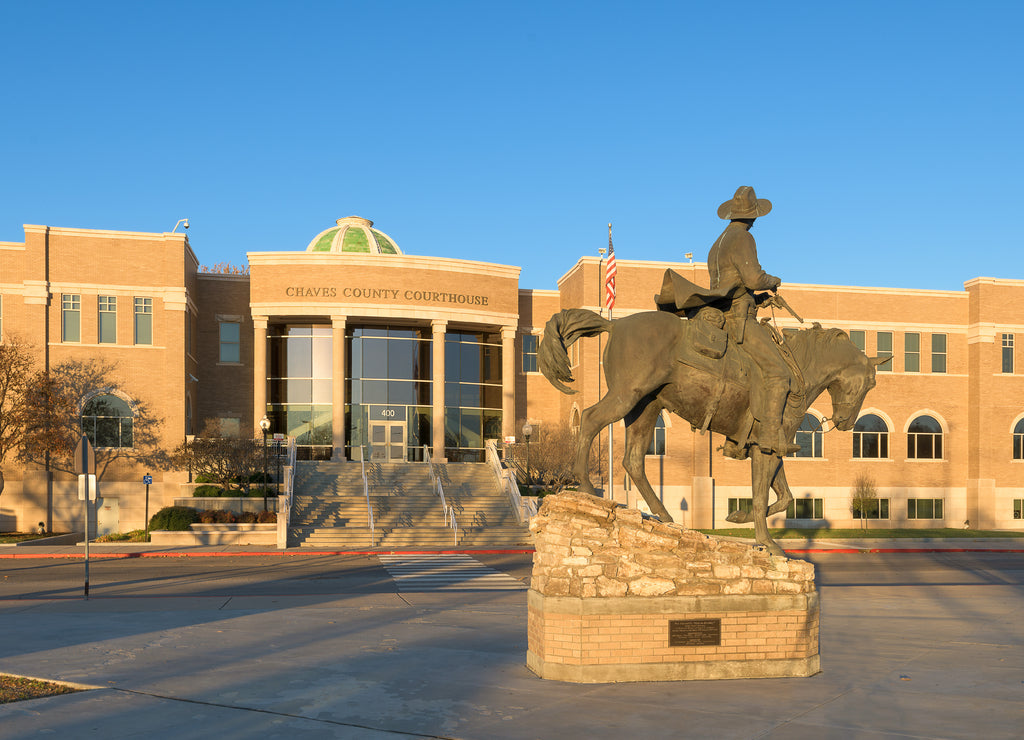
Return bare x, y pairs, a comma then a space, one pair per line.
265, 426
189, 439
527, 431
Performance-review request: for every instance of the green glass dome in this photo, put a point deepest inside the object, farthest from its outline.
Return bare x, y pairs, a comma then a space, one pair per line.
353, 235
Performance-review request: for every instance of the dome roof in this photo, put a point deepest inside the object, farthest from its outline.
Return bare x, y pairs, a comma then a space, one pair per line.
353, 235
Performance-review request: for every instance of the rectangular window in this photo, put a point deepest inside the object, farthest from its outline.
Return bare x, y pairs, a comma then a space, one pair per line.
71, 318
143, 320
938, 353
924, 508
884, 349
1018, 508
230, 341
1007, 353
911, 352
857, 337
107, 323
806, 508
529, 353
741, 504
872, 509
657, 445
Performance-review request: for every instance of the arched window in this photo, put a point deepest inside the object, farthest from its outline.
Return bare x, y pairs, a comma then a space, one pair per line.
574, 421
809, 437
108, 421
1018, 440
924, 439
870, 437
658, 440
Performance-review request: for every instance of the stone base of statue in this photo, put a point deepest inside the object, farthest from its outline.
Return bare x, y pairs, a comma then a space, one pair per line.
619, 597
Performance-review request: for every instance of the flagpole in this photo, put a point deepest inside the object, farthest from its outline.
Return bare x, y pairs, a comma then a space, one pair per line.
600, 309
609, 282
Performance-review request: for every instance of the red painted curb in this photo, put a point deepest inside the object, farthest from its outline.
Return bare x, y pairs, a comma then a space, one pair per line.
278, 553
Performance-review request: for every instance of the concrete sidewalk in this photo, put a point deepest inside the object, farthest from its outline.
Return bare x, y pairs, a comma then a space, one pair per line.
944, 660
794, 547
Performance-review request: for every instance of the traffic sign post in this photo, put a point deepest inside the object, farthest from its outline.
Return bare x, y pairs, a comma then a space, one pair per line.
147, 479
85, 466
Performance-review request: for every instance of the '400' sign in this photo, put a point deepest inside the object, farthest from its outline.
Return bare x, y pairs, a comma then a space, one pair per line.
387, 413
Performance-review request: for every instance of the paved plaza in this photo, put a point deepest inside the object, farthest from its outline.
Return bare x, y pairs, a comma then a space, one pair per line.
913, 645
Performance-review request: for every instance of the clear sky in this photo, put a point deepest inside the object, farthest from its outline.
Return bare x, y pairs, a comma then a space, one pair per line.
888, 135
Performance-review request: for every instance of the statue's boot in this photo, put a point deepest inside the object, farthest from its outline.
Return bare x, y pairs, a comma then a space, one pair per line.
775, 402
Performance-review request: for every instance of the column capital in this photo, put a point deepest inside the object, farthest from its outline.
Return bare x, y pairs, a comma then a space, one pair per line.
260, 322
508, 332
338, 321
438, 326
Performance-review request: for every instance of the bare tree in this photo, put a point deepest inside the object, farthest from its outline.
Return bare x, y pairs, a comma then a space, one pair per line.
16, 370
229, 461
864, 500
53, 409
552, 454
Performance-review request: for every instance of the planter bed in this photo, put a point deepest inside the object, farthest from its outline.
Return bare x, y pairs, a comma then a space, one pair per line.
219, 534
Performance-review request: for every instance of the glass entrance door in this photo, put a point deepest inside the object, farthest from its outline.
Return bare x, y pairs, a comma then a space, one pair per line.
387, 441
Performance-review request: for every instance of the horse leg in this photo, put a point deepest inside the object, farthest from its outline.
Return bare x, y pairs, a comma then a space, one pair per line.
639, 431
762, 468
784, 496
609, 409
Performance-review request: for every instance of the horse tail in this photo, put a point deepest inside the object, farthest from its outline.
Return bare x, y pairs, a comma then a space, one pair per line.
561, 331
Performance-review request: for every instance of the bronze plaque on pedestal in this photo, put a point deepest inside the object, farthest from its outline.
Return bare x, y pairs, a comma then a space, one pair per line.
694, 632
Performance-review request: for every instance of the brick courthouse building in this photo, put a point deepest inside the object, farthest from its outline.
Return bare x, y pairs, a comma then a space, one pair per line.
351, 342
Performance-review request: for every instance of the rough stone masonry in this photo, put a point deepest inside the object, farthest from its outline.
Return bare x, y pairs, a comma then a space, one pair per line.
609, 585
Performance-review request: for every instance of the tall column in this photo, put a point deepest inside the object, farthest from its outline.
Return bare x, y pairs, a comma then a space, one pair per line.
437, 336
508, 381
338, 430
259, 370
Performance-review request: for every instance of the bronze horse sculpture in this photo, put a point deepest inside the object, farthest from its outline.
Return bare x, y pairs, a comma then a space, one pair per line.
645, 375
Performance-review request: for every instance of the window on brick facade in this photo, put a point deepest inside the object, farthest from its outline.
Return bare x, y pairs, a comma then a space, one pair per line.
1007, 353
529, 353
924, 508
108, 421
924, 439
741, 504
938, 353
1018, 508
857, 337
911, 352
809, 437
143, 320
885, 350
1018, 440
872, 509
71, 317
870, 438
657, 446
806, 508
230, 341
106, 324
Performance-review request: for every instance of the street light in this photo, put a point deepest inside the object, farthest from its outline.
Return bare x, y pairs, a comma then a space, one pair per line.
265, 426
527, 431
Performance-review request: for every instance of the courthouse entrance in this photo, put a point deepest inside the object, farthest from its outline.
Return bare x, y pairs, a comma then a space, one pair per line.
387, 441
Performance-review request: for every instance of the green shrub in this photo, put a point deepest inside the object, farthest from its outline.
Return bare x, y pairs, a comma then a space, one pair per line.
207, 492
205, 478
174, 519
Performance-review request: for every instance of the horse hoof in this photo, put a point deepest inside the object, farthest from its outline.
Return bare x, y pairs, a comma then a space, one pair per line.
739, 517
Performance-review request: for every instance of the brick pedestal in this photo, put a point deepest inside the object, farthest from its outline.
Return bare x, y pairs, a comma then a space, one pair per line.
617, 597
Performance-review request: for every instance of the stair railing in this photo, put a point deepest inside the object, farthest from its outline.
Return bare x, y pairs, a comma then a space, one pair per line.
366, 489
506, 479
449, 521
284, 499
435, 481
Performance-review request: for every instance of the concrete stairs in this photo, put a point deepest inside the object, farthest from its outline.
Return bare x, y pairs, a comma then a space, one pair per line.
329, 507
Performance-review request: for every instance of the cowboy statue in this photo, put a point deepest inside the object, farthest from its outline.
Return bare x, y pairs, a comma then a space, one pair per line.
738, 286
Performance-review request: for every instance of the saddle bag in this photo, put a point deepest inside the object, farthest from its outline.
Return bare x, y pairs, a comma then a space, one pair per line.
709, 338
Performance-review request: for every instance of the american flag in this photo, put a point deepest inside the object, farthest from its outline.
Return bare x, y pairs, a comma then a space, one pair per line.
609, 274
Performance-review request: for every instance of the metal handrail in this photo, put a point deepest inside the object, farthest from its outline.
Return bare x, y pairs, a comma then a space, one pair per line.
366, 488
435, 480
449, 521
284, 500
506, 479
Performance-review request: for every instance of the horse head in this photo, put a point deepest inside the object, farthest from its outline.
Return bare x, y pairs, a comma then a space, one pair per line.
854, 377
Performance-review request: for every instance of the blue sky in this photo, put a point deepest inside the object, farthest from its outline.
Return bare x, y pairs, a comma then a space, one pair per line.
888, 135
